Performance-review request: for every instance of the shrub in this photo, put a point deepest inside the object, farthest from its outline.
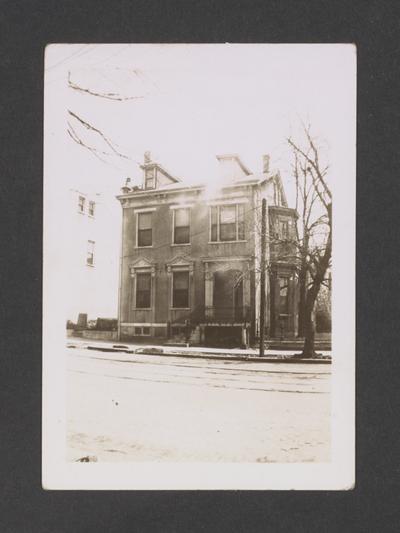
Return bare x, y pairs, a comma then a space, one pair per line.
323, 321
107, 324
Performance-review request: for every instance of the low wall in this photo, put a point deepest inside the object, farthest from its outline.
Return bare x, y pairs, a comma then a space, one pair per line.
93, 334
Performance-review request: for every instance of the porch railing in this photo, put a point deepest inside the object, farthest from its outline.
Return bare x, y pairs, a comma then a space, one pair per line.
221, 314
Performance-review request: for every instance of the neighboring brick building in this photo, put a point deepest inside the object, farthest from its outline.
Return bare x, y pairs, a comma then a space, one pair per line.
191, 254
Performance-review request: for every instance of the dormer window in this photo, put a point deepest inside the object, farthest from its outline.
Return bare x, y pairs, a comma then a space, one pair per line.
150, 180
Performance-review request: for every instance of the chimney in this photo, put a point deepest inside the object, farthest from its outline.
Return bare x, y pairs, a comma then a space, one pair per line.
125, 189
265, 160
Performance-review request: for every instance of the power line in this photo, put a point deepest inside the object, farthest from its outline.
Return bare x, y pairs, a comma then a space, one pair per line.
76, 53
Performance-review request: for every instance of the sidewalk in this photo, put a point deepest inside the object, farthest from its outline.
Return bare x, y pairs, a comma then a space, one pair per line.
230, 354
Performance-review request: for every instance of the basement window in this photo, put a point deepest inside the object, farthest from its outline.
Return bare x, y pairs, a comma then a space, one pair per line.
142, 330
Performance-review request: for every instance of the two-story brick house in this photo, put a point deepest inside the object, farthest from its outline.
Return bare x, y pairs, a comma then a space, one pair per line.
191, 254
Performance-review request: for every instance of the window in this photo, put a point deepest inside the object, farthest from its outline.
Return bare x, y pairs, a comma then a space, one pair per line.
90, 253
227, 223
150, 179
145, 236
81, 204
283, 295
181, 226
284, 230
91, 208
180, 289
142, 330
214, 224
143, 290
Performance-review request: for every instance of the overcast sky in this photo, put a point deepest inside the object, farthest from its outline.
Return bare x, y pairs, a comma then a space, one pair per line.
187, 103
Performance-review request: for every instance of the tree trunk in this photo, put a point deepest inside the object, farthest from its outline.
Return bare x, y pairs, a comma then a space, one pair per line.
309, 326
312, 293
302, 301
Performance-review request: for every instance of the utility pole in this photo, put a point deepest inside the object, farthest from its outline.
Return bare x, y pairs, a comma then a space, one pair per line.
262, 277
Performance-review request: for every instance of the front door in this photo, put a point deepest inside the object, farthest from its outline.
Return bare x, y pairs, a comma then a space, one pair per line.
228, 296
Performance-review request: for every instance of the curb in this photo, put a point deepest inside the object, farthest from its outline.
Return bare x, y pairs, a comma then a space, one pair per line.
208, 355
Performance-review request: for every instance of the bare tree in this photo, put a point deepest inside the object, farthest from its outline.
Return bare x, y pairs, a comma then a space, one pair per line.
314, 201
77, 127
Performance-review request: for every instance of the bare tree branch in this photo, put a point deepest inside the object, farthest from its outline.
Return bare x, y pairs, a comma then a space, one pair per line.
92, 128
76, 139
108, 96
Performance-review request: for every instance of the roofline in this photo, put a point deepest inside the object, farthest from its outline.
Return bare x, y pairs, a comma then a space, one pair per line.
238, 160
153, 192
154, 163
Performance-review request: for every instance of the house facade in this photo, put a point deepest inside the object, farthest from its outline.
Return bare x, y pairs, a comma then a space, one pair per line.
190, 257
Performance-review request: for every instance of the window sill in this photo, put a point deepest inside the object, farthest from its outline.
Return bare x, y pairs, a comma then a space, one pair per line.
139, 247
181, 244
180, 308
225, 242
142, 308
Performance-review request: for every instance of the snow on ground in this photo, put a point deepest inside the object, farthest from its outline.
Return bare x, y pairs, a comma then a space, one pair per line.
130, 407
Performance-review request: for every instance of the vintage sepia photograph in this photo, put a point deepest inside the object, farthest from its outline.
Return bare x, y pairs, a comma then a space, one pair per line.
199, 266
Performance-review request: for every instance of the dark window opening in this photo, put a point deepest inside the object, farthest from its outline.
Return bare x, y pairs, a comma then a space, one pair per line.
142, 330
90, 253
240, 208
143, 290
182, 226
227, 220
214, 224
180, 290
81, 204
150, 179
227, 223
91, 208
145, 234
284, 229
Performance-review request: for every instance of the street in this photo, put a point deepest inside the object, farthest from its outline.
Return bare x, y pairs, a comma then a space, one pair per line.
131, 407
